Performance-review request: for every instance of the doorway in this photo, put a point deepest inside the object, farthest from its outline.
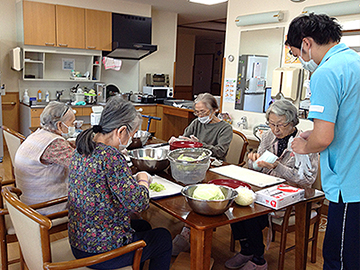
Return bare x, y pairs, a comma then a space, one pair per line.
203, 70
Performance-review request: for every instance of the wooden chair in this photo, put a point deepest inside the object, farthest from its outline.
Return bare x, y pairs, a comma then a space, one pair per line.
32, 230
7, 232
286, 224
237, 149
13, 140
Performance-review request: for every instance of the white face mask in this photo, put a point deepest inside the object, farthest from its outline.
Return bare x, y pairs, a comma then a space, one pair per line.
205, 119
121, 146
310, 65
70, 133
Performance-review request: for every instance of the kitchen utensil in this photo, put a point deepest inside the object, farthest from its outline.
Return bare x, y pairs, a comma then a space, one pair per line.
184, 144
157, 163
209, 207
249, 176
140, 138
229, 183
189, 172
148, 98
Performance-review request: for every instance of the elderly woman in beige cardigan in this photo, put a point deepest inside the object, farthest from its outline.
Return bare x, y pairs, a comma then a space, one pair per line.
282, 119
42, 160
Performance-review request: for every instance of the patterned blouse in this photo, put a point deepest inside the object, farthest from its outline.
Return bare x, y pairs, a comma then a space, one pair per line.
59, 152
102, 193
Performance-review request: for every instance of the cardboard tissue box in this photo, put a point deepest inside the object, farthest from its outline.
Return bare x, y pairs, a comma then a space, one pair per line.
279, 196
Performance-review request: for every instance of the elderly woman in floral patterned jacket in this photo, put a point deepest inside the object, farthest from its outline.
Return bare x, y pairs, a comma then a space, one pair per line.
103, 193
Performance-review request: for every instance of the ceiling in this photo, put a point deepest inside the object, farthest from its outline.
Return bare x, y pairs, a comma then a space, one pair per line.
195, 18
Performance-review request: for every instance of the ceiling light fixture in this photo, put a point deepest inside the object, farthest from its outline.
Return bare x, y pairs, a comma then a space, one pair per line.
336, 9
260, 18
208, 2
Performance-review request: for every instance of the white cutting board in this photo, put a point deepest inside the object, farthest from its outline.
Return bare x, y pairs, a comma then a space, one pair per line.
171, 188
249, 176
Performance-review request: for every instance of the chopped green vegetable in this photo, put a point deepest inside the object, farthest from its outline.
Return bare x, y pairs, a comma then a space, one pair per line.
208, 192
156, 187
185, 158
148, 158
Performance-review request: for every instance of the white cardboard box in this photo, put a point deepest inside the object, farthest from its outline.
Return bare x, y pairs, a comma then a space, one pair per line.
279, 196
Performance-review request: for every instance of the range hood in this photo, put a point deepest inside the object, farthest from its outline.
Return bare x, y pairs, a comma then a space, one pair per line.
131, 37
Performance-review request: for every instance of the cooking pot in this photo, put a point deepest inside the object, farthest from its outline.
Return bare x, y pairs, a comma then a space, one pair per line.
148, 99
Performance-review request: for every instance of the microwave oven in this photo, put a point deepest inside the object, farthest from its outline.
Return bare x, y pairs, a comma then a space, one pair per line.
161, 93
157, 79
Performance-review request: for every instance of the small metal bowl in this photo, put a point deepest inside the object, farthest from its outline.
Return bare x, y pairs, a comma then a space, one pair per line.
158, 164
207, 207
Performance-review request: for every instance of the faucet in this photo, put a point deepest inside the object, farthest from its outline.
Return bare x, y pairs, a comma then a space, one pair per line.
58, 94
243, 122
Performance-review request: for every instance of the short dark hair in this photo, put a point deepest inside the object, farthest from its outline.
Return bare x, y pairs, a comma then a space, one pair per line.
320, 27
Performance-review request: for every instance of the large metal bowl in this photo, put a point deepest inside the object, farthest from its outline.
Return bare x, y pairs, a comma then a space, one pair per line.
207, 207
158, 164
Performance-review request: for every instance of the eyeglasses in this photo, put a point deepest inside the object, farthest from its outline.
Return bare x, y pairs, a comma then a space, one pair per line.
200, 113
271, 125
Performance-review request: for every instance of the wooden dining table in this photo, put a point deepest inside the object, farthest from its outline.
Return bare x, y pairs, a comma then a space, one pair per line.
202, 226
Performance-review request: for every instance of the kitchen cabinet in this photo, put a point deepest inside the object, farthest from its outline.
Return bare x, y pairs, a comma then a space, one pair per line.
65, 26
39, 23
70, 27
98, 33
148, 110
35, 117
45, 64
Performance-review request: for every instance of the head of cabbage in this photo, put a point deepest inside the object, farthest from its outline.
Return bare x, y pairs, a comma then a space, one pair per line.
208, 192
245, 196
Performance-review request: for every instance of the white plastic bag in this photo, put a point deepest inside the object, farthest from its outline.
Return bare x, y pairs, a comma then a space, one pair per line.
301, 161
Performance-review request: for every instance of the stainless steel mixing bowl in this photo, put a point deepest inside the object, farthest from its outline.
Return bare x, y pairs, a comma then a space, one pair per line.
157, 163
207, 207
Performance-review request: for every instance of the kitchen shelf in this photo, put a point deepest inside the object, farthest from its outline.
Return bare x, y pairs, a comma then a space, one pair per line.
47, 64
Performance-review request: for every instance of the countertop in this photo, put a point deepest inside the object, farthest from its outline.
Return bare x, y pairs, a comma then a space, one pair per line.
42, 104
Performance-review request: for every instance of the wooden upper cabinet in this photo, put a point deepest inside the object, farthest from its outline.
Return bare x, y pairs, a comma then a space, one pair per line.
70, 27
98, 30
39, 24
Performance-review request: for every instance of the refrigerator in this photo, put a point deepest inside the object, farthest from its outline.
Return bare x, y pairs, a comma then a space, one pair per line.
251, 83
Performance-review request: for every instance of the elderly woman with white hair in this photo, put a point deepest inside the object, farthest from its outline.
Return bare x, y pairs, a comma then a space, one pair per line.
214, 134
42, 160
282, 119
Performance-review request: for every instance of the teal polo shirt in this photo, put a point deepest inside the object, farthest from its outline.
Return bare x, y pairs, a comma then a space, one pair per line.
335, 97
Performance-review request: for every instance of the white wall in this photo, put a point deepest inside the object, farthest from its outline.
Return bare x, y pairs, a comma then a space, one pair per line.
128, 78
232, 42
164, 35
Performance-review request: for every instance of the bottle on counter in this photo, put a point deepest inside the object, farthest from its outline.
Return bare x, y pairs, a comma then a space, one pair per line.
26, 98
47, 96
39, 95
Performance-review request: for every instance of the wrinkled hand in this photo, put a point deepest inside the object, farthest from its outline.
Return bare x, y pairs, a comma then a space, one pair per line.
270, 166
143, 176
172, 139
193, 138
298, 145
253, 156
183, 138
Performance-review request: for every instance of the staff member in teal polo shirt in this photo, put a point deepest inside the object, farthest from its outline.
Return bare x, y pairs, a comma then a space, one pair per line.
335, 110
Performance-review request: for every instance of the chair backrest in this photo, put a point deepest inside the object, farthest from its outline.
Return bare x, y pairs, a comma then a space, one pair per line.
31, 230
237, 148
13, 140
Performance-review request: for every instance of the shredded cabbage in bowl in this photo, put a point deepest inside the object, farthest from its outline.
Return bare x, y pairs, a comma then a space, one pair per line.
208, 192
